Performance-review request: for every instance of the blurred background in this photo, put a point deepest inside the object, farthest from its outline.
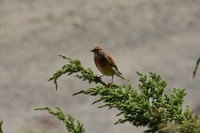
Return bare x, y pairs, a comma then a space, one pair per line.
146, 36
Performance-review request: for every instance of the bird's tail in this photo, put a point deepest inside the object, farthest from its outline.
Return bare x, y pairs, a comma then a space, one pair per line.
120, 75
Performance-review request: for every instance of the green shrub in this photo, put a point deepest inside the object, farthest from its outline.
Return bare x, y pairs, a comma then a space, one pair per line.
148, 106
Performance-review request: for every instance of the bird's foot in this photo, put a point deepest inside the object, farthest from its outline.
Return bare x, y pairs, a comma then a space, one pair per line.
109, 84
98, 78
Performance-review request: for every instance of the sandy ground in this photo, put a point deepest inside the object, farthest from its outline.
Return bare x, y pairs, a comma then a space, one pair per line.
142, 35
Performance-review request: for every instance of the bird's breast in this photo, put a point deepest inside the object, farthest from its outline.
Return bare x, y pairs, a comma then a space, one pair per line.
104, 66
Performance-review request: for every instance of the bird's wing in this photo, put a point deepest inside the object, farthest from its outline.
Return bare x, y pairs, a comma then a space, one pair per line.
111, 61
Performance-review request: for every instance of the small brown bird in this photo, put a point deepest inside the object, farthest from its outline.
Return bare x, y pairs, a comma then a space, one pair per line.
105, 63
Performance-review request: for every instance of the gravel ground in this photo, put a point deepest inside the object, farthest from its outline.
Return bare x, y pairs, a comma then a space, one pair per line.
159, 36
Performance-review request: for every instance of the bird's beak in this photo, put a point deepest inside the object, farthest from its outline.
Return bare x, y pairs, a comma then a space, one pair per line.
92, 50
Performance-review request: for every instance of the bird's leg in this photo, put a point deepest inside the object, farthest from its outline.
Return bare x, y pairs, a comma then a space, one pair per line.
111, 81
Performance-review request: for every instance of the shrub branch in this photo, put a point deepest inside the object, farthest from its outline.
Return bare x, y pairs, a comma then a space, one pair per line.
75, 67
1, 123
148, 106
69, 122
196, 67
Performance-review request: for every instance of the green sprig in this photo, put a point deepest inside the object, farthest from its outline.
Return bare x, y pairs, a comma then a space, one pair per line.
148, 106
69, 122
196, 67
75, 67
1, 123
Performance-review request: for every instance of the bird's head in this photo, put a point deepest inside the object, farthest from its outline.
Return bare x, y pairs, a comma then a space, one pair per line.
98, 51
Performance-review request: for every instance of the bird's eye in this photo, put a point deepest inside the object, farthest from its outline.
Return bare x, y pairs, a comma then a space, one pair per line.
99, 53
95, 50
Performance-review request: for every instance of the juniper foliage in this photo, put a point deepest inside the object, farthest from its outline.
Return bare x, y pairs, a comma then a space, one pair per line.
196, 67
69, 122
1, 123
75, 67
148, 106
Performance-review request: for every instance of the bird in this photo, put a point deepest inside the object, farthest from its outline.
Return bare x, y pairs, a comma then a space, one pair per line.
105, 63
